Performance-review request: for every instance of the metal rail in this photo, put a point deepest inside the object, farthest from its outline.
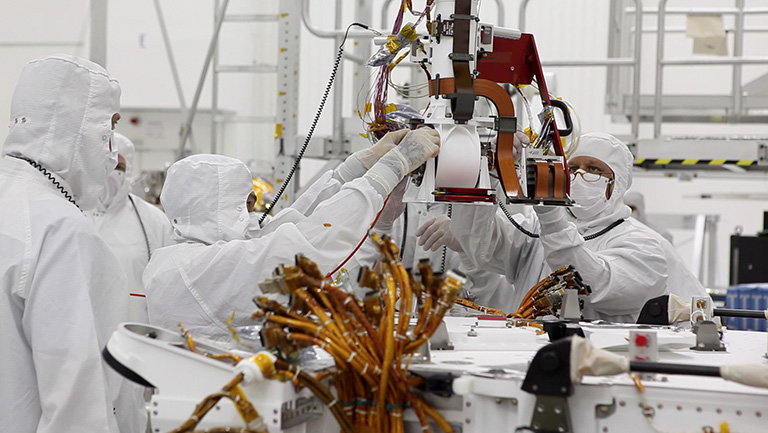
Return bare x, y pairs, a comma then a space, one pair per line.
633, 61
201, 81
737, 60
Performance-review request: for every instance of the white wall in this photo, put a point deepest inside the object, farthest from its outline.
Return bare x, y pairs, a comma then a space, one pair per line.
564, 29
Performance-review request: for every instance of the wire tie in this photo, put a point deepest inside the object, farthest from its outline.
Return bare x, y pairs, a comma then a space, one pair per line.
349, 360
365, 369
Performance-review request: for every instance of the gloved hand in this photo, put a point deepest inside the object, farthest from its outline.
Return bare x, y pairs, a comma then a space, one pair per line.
371, 155
435, 232
414, 149
517, 144
418, 146
551, 218
393, 209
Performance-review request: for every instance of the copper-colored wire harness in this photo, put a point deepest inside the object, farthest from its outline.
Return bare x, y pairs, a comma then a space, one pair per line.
370, 346
545, 297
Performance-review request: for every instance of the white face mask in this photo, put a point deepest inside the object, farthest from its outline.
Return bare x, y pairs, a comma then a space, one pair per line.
115, 181
589, 196
111, 162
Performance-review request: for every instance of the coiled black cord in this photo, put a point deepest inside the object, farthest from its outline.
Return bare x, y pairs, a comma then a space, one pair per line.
445, 247
533, 235
53, 180
514, 223
405, 231
336, 64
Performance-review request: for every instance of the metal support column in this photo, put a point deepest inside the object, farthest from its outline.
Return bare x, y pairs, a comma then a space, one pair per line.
98, 50
286, 127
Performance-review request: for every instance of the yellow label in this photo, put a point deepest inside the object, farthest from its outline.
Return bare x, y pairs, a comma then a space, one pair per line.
278, 130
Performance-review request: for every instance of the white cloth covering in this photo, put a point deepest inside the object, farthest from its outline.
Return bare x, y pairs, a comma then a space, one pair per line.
625, 267
52, 105
61, 289
117, 222
215, 268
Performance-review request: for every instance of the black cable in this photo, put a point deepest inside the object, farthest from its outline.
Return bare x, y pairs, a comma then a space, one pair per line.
143, 229
53, 180
336, 63
533, 235
405, 231
445, 247
605, 230
514, 223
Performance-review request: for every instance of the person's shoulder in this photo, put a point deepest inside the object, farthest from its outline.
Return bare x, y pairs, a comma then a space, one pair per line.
147, 207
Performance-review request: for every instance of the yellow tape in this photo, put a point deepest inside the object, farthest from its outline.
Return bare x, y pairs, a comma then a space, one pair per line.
639, 160
717, 162
690, 161
244, 407
390, 108
663, 161
745, 162
368, 107
264, 362
364, 135
278, 130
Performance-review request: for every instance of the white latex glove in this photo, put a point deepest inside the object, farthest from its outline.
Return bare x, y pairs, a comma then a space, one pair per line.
418, 146
517, 144
435, 232
414, 149
393, 209
551, 218
371, 155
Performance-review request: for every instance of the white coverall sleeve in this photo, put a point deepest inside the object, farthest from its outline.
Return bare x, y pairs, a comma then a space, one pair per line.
328, 234
489, 241
323, 189
62, 330
623, 274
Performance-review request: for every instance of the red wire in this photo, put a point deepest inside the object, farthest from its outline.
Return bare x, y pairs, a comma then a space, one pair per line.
330, 274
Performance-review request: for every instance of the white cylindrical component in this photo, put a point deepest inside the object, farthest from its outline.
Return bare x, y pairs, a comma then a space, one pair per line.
256, 367
459, 163
462, 385
504, 32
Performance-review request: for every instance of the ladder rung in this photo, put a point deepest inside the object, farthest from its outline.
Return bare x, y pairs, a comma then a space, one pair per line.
252, 17
246, 68
243, 119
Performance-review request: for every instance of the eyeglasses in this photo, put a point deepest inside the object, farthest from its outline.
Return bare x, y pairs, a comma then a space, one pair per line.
590, 176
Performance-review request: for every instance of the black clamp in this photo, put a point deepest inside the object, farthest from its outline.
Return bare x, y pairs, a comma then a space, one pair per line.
461, 57
505, 124
549, 378
465, 17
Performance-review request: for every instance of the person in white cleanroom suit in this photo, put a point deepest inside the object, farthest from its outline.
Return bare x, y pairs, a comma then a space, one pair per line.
636, 203
131, 227
214, 270
62, 292
622, 260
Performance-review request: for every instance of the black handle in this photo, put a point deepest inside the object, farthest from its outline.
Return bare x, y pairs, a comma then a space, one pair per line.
566, 116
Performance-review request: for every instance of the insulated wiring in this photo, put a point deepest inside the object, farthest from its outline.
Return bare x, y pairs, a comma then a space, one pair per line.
297, 161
